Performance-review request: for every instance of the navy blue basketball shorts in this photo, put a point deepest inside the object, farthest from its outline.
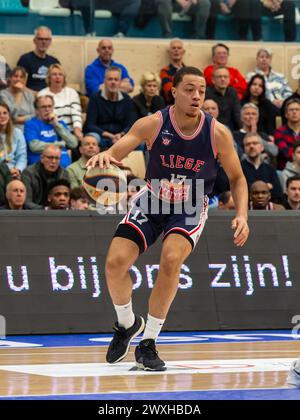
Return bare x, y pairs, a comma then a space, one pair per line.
148, 217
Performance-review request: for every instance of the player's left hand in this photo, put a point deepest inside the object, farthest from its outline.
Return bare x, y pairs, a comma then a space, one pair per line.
240, 226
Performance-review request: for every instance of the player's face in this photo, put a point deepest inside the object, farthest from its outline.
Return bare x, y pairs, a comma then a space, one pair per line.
190, 94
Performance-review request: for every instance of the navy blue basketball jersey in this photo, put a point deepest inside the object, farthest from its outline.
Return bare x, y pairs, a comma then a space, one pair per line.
178, 160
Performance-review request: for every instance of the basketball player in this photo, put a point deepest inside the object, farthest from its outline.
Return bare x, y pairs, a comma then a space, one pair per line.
184, 144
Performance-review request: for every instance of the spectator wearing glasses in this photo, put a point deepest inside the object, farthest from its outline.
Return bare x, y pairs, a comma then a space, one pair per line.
40, 175
44, 129
37, 62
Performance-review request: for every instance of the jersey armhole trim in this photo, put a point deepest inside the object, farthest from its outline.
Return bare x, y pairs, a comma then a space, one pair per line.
212, 137
154, 137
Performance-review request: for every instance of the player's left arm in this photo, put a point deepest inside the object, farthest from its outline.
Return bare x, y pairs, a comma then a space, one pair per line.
238, 184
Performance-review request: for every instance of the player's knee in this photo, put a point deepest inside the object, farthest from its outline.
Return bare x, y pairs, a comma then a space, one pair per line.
115, 264
171, 262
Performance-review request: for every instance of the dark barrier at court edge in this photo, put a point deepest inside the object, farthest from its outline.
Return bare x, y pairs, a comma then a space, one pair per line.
52, 274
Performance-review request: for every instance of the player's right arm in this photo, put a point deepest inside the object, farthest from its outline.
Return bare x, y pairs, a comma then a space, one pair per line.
142, 130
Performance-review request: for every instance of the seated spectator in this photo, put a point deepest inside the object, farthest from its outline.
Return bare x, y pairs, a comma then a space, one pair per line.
295, 95
247, 14
37, 62
286, 135
148, 101
15, 196
176, 52
211, 107
95, 72
277, 87
44, 129
125, 10
58, 197
291, 168
216, 7
19, 99
198, 10
256, 94
5, 178
12, 143
256, 169
286, 8
78, 199
226, 201
260, 197
88, 148
220, 55
292, 193
4, 73
67, 105
249, 118
38, 177
110, 112
226, 98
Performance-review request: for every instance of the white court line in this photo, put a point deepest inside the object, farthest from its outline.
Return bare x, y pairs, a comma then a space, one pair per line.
212, 366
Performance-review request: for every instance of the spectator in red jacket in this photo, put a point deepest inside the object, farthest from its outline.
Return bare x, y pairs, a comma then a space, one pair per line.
220, 54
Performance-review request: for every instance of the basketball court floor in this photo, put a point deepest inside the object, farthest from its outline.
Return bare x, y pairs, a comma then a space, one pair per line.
231, 365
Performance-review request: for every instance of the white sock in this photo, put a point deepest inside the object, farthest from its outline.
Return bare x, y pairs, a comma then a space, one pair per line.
125, 315
153, 327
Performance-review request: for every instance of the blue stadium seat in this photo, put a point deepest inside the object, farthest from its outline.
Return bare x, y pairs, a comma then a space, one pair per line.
12, 7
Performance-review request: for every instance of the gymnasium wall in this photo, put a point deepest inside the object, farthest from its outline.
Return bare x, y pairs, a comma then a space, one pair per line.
140, 55
52, 274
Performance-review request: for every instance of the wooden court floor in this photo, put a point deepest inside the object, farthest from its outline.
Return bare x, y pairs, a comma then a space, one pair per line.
207, 366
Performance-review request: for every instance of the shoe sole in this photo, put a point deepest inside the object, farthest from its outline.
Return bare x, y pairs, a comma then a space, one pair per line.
141, 329
142, 367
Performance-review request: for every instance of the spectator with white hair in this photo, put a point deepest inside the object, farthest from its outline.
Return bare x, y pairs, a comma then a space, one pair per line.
37, 62
277, 86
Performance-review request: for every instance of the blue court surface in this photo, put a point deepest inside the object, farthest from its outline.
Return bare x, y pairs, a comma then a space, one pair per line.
79, 340
174, 338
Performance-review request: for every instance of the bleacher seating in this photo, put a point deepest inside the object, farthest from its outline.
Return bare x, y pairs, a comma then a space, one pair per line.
48, 8
12, 7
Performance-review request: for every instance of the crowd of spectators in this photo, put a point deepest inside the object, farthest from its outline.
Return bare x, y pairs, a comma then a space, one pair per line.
46, 137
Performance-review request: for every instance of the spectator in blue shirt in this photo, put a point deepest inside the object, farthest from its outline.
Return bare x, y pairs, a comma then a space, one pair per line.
95, 72
44, 129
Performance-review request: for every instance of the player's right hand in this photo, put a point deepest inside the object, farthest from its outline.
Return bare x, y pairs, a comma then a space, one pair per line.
103, 160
